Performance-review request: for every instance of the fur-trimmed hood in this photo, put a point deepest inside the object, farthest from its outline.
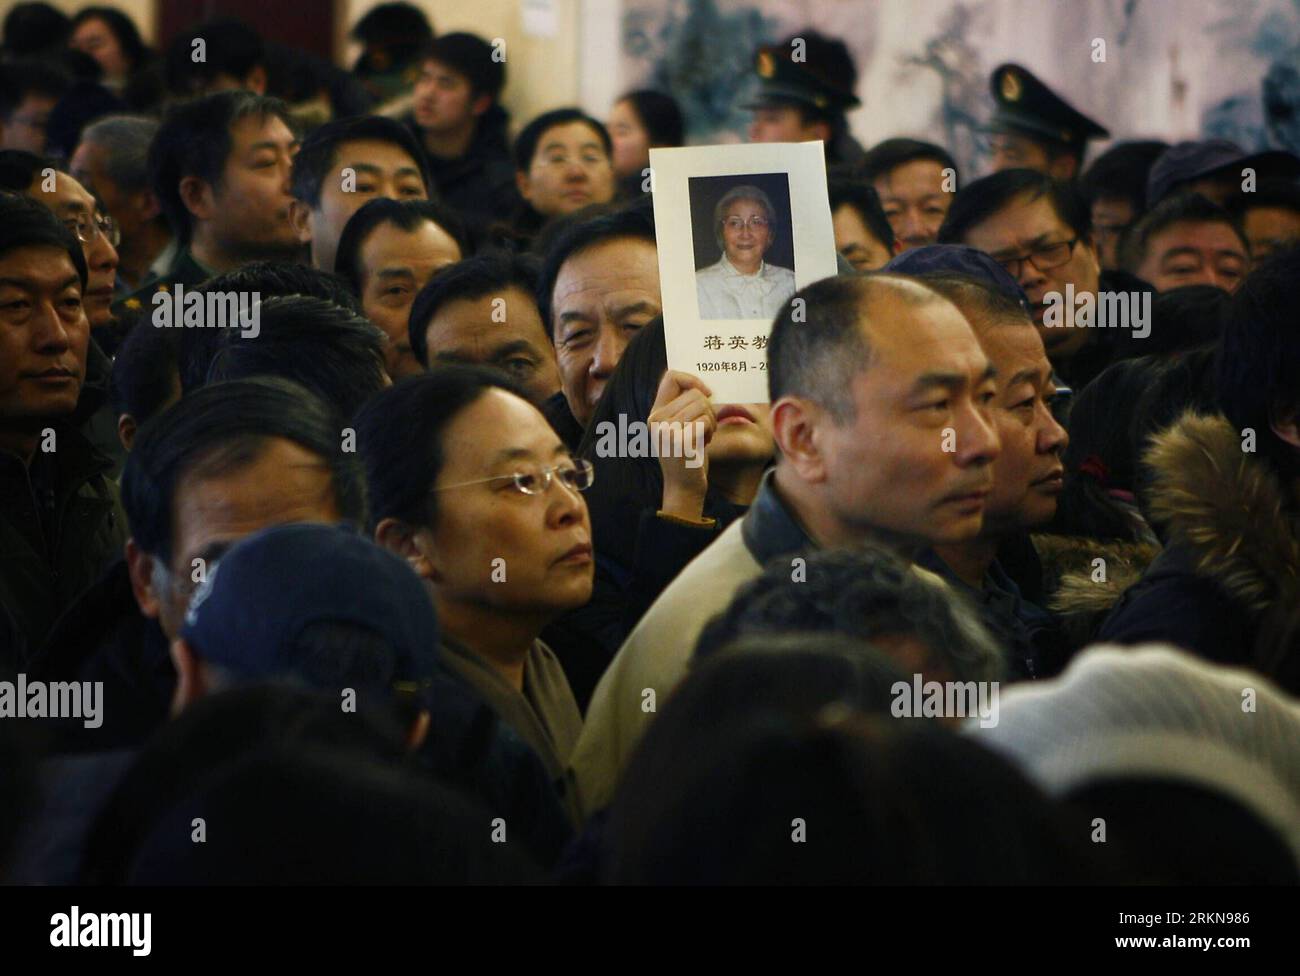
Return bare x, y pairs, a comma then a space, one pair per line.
1227, 510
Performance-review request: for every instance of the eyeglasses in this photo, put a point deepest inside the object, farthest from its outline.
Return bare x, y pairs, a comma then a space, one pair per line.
737, 224
86, 227
577, 475
1044, 258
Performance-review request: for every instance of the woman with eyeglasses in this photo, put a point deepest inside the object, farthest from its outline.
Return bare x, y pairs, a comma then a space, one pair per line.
470, 485
742, 284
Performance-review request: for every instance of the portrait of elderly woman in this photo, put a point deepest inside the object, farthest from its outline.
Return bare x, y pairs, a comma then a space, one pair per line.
743, 284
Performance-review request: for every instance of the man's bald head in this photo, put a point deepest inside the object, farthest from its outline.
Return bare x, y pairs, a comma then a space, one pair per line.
825, 333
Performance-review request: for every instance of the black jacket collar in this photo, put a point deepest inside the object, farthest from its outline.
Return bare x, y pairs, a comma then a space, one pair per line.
770, 529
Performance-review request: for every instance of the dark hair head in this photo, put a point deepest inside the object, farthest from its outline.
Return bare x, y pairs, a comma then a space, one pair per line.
1271, 193
489, 273
1258, 369
19, 168
869, 593
659, 115
231, 48
34, 28
146, 371
24, 222
1121, 173
334, 353
1190, 208
866, 203
312, 817
399, 436
390, 23
85, 102
977, 296
471, 56
980, 200
816, 353
885, 157
214, 731
194, 140
229, 424
1103, 452
125, 140
1186, 318
635, 221
320, 149
269, 279
883, 795
18, 79
121, 27
530, 137
405, 215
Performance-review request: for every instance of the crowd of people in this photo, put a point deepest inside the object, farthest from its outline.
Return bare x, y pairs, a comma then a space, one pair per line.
315, 566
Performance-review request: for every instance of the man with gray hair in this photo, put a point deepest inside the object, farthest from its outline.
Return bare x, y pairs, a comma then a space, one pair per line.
742, 285
112, 162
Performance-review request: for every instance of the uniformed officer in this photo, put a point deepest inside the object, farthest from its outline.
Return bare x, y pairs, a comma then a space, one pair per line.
1034, 128
806, 85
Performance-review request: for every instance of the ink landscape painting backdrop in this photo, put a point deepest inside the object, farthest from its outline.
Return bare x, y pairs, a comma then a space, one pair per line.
1173, 69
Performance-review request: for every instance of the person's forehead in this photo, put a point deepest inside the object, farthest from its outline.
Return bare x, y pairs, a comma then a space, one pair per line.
41, 265
909, 339
745, 203
68, 196
376, 153
496, 422
1012, 348
443, 70
913, 176
1022, 218
569, 135
474, 314
619, 265
388, 242
1205, 235
256, 128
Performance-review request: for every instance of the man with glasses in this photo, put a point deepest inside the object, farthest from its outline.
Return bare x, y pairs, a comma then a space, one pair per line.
40, 179
470, 485
1039, 230
742, 284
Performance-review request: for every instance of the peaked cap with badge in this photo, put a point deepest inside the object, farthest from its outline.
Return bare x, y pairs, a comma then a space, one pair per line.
1028, 107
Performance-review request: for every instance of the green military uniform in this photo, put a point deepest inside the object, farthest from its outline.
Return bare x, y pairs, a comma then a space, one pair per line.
185, 269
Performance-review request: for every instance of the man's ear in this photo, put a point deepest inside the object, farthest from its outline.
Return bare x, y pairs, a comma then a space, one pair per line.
196, 195
419, 730
481, 105
411, 544
300, 218
190, 683
1286, 425
139, 565
523, 183
255, 80
795, 423
126, 430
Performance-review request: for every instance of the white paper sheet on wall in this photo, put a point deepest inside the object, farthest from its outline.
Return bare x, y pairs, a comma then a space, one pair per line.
541, 17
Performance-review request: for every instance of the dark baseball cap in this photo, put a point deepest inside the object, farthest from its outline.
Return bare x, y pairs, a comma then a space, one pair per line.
266, 589
959, 259
1184, 162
